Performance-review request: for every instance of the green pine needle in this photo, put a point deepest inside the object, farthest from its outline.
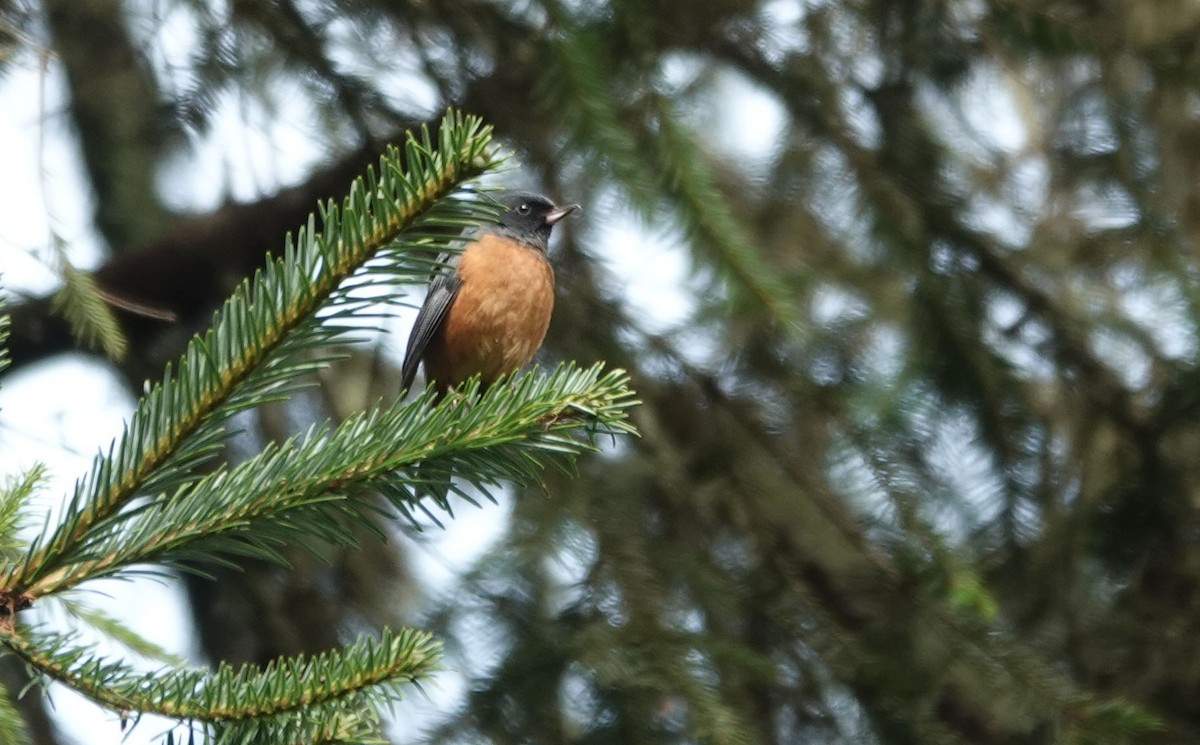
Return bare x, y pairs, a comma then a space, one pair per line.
1113, 721
711, 224
12, 725
114, 629
296, 690
14, 496
317, 483
576, 86
334, 724
92, 321
661, 158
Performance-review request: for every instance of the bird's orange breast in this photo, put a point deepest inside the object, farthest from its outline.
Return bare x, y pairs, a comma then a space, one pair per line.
498, 318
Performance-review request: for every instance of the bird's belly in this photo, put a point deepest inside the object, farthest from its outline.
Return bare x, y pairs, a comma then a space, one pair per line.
500, 316
505, 331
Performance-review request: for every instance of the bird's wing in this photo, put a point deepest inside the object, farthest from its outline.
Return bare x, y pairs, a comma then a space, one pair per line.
442, 289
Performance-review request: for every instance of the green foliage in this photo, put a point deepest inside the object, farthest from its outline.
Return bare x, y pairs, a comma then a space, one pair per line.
1112, 721
967, 593
339, 723
297, 690
12, 725
14, 497
644, 146
577, 85
78, 614
146, 504
712, 224
312, 485
921, 468
254, 351
81, 303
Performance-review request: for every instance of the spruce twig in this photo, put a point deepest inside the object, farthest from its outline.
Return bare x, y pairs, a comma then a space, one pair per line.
370, 668
314, 484
251, 352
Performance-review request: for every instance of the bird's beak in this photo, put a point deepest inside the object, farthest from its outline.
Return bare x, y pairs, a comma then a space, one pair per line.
554, 216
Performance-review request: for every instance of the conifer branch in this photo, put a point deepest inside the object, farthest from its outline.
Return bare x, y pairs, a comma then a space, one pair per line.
13, 496
577, 87
577, 83
315, 483
78, 615
251, 352
369, 671
339, 723
82, 304
12, 726
710, 222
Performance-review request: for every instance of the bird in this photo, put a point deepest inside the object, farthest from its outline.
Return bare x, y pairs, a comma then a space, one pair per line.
488, 307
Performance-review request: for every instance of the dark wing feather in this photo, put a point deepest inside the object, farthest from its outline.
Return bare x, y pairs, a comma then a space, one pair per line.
442, 289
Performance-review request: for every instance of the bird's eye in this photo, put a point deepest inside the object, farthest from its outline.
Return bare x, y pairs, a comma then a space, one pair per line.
523, 209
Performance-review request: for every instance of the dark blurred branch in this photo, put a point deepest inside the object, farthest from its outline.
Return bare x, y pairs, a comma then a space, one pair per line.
305, 48
114, 105
187, 271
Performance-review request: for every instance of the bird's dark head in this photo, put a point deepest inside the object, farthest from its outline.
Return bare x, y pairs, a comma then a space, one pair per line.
529, 217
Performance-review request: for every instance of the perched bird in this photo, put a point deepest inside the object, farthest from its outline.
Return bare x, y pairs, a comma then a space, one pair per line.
488, 308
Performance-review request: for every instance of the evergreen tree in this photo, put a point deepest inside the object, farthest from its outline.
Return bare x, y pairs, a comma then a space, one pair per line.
920, 467
158, 500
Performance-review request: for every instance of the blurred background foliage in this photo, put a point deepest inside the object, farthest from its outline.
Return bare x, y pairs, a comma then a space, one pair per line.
921, 461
